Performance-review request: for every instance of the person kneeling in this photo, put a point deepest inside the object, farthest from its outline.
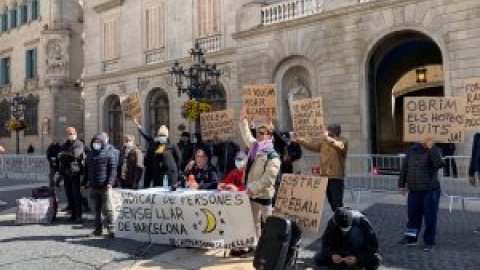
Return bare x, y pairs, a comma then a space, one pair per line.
349, 242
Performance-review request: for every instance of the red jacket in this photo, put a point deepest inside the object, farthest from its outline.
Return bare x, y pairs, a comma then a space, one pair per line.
235, 177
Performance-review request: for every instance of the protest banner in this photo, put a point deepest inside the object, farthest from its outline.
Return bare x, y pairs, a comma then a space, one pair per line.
260, 100
438, 118
300, 199
217, 124
206, 219
131, 105
471, 93
308, 118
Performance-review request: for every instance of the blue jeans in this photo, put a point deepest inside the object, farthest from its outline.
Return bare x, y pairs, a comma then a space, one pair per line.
423, 205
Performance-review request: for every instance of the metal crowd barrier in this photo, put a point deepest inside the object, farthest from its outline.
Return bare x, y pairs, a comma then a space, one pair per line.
24, 167
454, 181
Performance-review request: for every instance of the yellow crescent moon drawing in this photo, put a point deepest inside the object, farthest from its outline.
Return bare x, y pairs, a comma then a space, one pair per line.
211, 221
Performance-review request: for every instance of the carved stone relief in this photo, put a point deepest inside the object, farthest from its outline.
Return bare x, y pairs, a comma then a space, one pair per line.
56, 61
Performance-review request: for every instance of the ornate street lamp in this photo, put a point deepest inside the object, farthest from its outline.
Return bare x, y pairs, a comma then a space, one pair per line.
421, 74
200, 80
18, 109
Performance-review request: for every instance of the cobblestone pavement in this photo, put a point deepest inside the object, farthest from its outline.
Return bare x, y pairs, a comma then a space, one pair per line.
457, 247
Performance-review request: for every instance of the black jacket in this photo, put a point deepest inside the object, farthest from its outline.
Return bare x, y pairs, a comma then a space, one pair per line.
334, 241
475, 158
187, 152
289, 152
420, 168
206, 178
52, 155
171, 158
71, 156
100, 166
225, 152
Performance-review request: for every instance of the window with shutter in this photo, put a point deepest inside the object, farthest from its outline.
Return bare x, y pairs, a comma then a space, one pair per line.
208, 12
154, 27
111, 39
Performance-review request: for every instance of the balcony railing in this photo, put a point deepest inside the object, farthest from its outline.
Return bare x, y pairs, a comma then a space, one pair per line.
289, 10
210, 44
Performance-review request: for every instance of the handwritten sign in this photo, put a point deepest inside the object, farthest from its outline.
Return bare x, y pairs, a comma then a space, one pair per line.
472, 103
131, 105
217, 124
206, 219
438, 118
300, 198
260, 100
308, 118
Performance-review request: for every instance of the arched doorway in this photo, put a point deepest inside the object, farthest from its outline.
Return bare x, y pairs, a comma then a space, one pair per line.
396, 58
113, 123
158, 110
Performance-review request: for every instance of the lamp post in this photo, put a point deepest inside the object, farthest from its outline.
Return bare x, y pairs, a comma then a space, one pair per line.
199, 81
18, 109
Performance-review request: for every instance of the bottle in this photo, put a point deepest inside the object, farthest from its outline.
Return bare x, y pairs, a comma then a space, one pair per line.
165, 181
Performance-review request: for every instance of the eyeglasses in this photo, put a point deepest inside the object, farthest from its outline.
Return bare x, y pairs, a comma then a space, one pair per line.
261, 133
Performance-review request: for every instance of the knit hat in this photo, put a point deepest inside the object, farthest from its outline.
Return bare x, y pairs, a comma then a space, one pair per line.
163, 130
343, 217
185, 134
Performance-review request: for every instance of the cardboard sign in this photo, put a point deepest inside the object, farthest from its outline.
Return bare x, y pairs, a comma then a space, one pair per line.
206, 219
472, 103
308, 118
300, 198
131, 105
217, 124
260, 100
438, 118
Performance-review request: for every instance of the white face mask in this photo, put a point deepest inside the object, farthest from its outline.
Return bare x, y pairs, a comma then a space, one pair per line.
161, 139
128, 144
239, 164
72, 137
97, 146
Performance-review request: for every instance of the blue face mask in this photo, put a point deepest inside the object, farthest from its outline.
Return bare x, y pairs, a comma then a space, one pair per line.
161, 139
97, 146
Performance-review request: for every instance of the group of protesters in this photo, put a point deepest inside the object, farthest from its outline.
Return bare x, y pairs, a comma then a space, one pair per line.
349, 238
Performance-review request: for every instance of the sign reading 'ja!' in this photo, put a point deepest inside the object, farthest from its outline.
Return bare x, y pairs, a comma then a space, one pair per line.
260, 100
437, 118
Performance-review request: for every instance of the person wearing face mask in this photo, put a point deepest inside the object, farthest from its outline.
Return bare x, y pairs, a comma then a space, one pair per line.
234, 179
349, 242
333, 154
100, 173
130, 166
186, 148
262, 168
162, 158
71, 156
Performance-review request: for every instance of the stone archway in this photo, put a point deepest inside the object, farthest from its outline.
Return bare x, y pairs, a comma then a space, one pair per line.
393, 58
113, 120
157, 110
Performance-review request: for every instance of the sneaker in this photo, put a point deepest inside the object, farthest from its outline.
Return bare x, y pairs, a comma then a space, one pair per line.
428, 248
408, 242
2, 203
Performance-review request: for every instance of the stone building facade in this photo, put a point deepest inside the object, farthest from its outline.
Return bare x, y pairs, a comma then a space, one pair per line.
353, 53
41, 56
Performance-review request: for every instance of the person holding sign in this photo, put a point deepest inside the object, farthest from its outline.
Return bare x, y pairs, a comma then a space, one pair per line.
130, 164
420, 173
349, 240
263, 166
333, 154
234, 179
202, 174
162, 159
